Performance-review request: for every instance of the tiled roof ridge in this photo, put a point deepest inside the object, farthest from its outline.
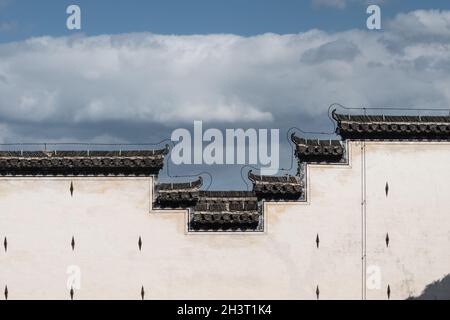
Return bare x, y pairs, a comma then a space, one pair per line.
392, 127
82, 163
314, 142
180, 186
265, 179
226, 194
316, 150
374, 118
226, 210
276, 188
83, 154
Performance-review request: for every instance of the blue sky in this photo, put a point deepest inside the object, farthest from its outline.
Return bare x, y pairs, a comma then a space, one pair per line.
27, 18
140, 69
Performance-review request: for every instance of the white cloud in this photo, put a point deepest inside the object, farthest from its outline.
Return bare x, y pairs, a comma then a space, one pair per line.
334, 50
279, 80
128, 77
422, 25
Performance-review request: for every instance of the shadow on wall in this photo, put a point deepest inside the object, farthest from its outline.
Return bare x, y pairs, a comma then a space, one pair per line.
438, 290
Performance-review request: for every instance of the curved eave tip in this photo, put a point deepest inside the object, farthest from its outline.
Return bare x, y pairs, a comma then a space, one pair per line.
200, 181
334, 114
294, 138
251, 176
166, 149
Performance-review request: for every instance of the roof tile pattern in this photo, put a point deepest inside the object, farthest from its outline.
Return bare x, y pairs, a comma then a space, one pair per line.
392, 127
276, 187
178, 195
225, 210
210, 210
314, 150
81, 163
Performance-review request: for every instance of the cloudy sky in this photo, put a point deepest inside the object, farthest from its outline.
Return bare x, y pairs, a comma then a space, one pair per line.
138, 69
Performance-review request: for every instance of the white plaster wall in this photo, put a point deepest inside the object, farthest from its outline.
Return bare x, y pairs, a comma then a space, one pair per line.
415, 214
107, 215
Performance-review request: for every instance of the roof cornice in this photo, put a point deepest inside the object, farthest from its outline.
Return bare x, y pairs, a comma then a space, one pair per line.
82, 163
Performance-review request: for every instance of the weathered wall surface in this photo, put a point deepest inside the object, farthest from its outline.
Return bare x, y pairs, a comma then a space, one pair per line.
106, 217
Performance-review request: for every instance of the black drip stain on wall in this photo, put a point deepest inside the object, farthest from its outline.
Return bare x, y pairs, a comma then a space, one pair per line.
437, 290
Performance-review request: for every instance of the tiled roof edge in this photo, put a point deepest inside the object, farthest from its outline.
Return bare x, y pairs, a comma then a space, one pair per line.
183, 186
316, 150
84, 154
396, 127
